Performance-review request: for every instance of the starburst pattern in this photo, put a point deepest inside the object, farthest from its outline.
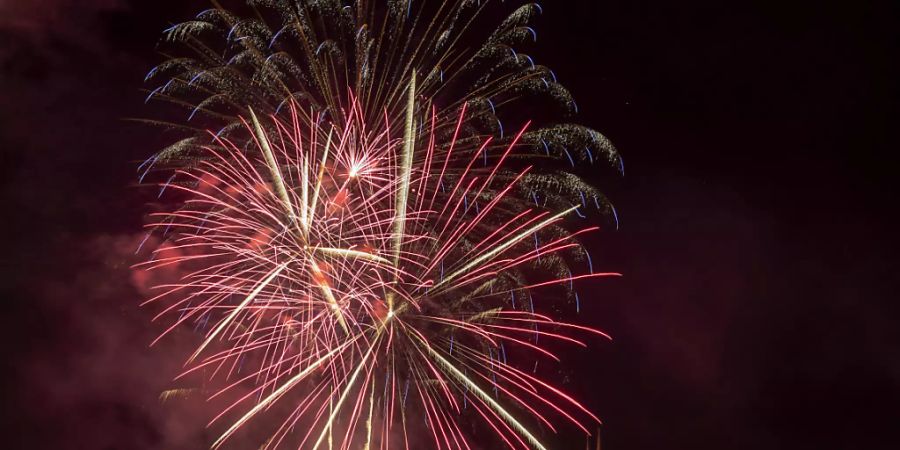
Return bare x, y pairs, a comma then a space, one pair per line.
364, 244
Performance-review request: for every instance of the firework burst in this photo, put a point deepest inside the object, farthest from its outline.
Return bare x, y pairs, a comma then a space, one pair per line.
318, 53
364, 260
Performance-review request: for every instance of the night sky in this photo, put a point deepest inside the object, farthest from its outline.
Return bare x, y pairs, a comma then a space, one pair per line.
758, 307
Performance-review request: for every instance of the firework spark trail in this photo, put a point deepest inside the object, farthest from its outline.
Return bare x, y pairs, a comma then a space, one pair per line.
316, 288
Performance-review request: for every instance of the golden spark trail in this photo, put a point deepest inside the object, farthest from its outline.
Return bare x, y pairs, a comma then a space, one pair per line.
278, 392
501, 248
409, 142
262, 285
286, 201
484, 396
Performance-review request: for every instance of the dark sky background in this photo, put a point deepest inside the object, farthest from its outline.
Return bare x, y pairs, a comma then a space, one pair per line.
758, 308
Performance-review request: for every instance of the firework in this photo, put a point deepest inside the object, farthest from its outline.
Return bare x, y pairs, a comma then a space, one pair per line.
316, 53
360, 259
